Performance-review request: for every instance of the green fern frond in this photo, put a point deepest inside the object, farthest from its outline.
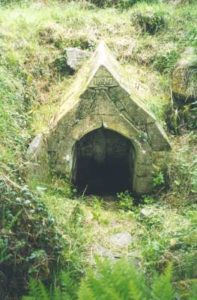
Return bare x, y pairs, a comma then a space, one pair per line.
43, 293
162, 288
85, 292
57, 295
37, 291
121, 281
116, 281
193, 292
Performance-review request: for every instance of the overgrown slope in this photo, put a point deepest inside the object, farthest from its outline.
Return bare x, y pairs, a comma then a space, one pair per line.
148, 40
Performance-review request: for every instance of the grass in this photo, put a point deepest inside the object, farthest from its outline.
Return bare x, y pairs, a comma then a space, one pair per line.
166, 234
13, 120
32, 37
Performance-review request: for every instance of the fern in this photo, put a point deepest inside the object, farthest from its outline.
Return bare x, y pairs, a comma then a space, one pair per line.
193, 292
37, 291
64, 290
43, 293
120, 281
86, 292
162, 288
111, 281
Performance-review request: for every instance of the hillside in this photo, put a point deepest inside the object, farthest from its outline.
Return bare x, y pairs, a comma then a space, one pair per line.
48, 227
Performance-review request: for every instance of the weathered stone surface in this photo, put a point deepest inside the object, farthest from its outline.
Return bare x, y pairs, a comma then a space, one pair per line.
35, 147
117, 243
147, 212
104, 252
99, 105
144, 183
121, 239
144, 170
114, 253
75, 57
157, 137
184, 78
38, 165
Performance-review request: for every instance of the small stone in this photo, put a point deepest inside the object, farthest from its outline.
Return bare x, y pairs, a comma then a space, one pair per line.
102, 251
35, 145
184, 78
146, 212
121, 240
75, 57
173, 242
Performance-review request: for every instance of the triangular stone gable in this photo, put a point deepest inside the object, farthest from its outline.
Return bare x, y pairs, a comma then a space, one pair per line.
100, 97
103, 73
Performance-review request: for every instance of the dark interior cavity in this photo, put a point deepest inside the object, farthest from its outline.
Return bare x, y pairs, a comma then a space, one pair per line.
103, 163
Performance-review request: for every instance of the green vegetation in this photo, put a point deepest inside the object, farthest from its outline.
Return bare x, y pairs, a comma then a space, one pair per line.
125, 200
162, 232
30, 244
121, 281
117, 281
49, 235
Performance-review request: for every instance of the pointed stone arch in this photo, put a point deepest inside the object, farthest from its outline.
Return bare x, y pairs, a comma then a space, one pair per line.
100, 98
103, 162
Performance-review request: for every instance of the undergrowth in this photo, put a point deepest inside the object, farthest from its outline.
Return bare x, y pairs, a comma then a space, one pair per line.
148, 41
34, 37
119, 280
30, 244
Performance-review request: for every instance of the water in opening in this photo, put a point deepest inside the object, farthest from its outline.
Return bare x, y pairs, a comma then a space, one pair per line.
104, 163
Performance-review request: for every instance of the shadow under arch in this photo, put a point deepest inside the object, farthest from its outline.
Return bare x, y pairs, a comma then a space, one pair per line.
104, 162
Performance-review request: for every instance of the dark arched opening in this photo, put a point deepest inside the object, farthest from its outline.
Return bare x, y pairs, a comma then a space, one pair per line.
103, 163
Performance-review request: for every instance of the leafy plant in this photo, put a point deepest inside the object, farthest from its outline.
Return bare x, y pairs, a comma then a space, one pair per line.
122, 281
165, 62
119, 280
38, 291
75, 249
30, 245
182, 171
97, 204
158, 179
126, 201
149, 21
148, 200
